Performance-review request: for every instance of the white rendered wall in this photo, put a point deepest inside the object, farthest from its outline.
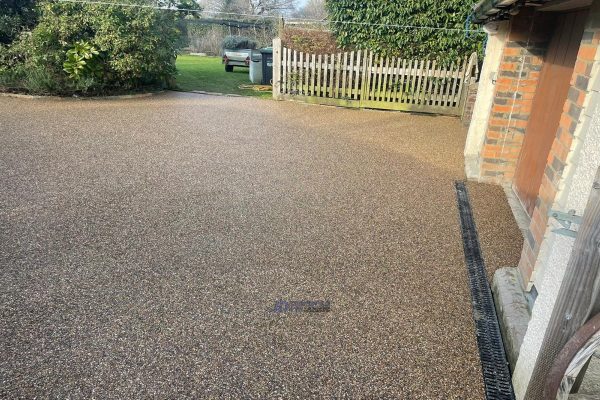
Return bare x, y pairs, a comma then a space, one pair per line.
497, 33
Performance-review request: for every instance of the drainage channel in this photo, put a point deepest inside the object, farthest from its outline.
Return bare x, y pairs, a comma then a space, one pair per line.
494, 365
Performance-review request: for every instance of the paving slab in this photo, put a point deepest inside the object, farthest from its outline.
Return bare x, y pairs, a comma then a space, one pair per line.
145, 243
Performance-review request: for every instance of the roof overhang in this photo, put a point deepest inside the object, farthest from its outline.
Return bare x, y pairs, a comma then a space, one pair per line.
496, 10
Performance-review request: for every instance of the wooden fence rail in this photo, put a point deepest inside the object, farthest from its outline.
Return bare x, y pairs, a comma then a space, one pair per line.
362, 79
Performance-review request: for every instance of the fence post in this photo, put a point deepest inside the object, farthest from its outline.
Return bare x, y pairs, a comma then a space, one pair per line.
277, 69
467, 80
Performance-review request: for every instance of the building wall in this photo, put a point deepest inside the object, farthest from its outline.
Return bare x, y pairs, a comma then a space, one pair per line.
517, 77
494, 143
515, 86
497, 33
571, 167
532, 260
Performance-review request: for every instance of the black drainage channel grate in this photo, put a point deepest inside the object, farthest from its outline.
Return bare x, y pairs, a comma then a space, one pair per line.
496, 375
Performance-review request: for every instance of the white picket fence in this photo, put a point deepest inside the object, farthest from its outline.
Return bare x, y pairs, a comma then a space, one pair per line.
362, 79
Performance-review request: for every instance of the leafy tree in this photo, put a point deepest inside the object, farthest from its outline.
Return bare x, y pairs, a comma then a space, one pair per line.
253, 7
313, 9
408, 28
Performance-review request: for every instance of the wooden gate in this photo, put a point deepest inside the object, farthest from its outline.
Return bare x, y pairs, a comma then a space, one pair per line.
362, 79
546, 109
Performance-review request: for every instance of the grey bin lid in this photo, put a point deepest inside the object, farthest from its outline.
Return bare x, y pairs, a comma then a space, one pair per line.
255, 56
266, 50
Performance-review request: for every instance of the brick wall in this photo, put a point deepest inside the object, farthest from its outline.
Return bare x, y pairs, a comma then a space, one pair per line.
516, 82
515, 87
469, 103
561, 146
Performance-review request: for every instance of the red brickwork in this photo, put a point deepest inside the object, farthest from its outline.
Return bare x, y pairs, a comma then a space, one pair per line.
557, 158
516, 82
469, 103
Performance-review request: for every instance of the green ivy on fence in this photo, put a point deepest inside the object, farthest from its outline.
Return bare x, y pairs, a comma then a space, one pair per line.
405, 28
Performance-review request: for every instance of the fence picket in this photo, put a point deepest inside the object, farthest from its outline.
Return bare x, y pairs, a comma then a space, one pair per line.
455, 81
413, 80
462, 77
356, 73
337, 75
325, 69
367, 77
319, 66
375, 78
331, 75
443, 83
344, 73
329, 69
385, 78
289, 71
418, 85
403, 80
446, 98
302, 73
306, 74
284, 67
423, 93
430, 83
400, 87
379, 78
351, 75
440, 89
393, 76
312, 75
392, 82
295, 72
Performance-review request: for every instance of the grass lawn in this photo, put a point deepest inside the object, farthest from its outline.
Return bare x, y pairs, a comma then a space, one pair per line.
208, 74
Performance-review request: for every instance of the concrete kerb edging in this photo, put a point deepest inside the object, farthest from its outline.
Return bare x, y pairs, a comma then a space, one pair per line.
117, 97
214, 93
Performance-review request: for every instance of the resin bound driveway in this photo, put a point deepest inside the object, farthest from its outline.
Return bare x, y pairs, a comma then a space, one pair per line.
144, 243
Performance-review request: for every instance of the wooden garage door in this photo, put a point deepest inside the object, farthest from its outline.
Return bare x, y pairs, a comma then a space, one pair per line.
547, 105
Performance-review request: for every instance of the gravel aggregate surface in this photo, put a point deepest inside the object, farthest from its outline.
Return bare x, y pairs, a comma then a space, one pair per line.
500, 238
144, 243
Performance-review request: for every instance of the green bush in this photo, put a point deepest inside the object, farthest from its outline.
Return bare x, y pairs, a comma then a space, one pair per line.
390, 27
309, 41
136, 47
239, 42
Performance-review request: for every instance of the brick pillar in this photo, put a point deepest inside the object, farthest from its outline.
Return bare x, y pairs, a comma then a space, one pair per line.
516, 82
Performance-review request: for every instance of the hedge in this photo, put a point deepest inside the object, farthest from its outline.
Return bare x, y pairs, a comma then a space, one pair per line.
406, 28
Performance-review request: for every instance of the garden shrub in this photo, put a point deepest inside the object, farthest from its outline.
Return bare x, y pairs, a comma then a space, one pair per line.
361, 23
309, 41
133, 48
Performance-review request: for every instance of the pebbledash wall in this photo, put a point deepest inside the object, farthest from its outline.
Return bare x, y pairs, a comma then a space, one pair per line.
515, 77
